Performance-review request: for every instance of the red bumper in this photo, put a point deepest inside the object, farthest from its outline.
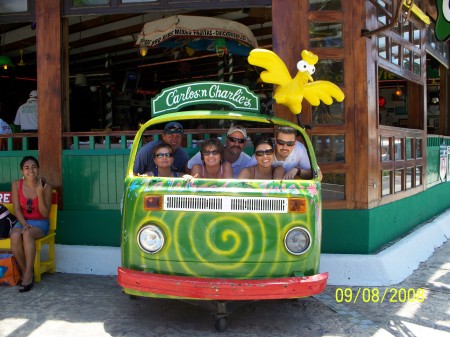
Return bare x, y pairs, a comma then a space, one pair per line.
221, 288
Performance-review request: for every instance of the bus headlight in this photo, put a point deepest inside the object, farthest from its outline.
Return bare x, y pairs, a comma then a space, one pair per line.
151, 239
297, 240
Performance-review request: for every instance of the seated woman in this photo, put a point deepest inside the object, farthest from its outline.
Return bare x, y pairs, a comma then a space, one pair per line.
213, 165
32, 200
264, 154
163, 158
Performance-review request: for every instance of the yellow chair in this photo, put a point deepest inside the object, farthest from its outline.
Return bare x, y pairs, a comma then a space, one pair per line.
40, 266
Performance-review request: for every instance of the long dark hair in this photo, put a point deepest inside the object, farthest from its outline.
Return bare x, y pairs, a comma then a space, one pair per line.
27, 158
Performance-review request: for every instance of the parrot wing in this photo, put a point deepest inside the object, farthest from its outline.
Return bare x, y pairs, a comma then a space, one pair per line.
276, 71
324, 91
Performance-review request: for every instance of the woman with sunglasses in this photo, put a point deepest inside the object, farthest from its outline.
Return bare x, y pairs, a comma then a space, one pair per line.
163, 158
264, 154
213, 165
32, 200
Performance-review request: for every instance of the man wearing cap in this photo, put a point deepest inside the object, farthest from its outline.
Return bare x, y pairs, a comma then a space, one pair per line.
172, 135
234, 146
27, 117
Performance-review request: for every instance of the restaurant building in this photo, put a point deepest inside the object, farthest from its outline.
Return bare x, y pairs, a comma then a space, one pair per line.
383, 150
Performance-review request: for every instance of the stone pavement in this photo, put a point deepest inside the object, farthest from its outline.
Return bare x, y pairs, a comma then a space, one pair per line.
86, 305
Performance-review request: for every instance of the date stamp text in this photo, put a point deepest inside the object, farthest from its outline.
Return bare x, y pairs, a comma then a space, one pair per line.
376, 295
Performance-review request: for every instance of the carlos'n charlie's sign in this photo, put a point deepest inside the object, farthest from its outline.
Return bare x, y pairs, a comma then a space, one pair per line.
237, 96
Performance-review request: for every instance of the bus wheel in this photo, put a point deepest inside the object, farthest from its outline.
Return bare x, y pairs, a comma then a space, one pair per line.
221, 324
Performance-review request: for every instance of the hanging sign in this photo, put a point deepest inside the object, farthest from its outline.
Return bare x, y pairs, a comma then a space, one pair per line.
173, 99
442, 28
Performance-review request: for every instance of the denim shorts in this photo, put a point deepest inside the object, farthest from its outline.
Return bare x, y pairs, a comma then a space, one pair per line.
43, 225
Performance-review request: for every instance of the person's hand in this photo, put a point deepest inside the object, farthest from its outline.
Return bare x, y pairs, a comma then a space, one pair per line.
292, 173
41, 184
26, 228
189, 178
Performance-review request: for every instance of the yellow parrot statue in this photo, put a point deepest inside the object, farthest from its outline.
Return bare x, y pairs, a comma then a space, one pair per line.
291, 91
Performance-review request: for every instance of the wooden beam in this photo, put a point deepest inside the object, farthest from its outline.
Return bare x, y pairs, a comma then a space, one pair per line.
49, 60
288, 39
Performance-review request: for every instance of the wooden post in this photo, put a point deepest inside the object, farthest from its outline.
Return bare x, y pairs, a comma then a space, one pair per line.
288, 40
49, 85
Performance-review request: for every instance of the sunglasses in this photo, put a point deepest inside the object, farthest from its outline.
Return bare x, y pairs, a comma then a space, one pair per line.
239, 140
29, 203
289, 143
208, 153
162, 155
261, 153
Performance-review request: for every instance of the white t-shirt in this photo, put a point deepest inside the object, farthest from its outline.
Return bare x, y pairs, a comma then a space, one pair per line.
298, 158
4, 127
27, 115
244, 160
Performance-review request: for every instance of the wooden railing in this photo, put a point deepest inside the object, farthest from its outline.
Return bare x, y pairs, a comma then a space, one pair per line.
105, 140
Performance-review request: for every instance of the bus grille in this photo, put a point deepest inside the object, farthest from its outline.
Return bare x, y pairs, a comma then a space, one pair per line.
225, 204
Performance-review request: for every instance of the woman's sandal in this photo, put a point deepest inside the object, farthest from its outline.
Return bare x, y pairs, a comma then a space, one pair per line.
24, 288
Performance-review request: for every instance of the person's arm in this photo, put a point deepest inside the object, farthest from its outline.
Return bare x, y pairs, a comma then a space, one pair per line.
291, 173
143, 160
297, 173
227, 170
17, 119
196, 171
305, 173
139, 164
44, 198
245, 173
278, 172
304, 164
16, 204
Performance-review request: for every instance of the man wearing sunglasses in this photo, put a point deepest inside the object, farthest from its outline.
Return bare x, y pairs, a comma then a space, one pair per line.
172, 135
234, 146
291, 154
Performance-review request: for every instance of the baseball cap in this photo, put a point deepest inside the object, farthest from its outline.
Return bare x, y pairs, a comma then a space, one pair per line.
33, 94
173, 127
238, 128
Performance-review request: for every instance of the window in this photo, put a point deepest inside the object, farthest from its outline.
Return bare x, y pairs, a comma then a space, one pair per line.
325, 5
325, 34
333, 186
15, 6
329, 148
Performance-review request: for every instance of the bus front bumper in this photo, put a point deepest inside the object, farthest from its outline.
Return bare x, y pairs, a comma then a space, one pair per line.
138, 282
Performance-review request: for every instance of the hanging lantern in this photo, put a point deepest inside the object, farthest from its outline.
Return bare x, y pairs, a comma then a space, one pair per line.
143, 48
398, 92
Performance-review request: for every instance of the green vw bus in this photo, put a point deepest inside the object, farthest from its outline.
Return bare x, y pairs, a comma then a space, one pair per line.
220, 240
